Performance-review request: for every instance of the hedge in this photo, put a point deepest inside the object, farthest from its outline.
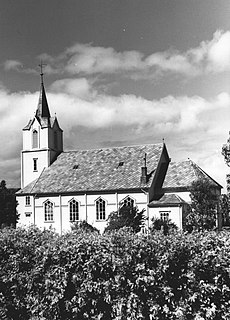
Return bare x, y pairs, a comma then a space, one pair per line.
114, 276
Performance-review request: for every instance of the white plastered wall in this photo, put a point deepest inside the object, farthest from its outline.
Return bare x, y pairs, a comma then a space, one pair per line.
87, 209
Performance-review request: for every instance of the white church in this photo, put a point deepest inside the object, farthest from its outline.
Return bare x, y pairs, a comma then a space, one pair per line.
59, 188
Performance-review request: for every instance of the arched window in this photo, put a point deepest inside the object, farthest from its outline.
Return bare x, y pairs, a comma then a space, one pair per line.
100, 209
48, 209
73, 210
35, 139
127, 202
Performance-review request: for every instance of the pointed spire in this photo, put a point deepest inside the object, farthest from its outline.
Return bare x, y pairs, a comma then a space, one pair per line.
43, 108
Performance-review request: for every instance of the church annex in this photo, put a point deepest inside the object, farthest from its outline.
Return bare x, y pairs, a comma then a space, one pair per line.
60, 187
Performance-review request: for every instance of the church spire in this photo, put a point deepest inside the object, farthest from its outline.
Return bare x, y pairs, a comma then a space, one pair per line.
42, 108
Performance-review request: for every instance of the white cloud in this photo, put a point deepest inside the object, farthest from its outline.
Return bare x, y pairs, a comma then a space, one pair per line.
209, 56
219, 52
187, 123
12, 65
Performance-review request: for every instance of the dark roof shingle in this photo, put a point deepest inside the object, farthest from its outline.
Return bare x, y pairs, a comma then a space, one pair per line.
97, 170
183, 174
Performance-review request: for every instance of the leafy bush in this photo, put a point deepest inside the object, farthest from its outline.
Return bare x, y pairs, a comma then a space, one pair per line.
114, 276
165, 225
83, 226
126, 216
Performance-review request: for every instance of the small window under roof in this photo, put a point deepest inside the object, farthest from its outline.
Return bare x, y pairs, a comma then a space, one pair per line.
120, 164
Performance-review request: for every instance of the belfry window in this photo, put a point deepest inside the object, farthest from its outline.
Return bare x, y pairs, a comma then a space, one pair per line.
100, 209
48, 210
35, 139
73, 210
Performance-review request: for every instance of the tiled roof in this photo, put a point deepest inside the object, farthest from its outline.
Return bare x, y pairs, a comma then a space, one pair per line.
183, 174
167, 200
97, 170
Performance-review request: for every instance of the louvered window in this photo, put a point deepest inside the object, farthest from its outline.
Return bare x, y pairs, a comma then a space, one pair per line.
35, 139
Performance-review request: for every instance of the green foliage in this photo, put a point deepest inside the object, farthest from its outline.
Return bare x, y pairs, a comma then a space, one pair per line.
202, 215
8, 204
165, 225
83, 226
225, 209
126, 216
118, 275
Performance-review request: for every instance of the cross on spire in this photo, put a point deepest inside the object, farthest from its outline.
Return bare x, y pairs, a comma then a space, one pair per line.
41, 70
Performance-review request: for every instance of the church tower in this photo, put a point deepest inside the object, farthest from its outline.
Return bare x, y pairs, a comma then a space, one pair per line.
42, 141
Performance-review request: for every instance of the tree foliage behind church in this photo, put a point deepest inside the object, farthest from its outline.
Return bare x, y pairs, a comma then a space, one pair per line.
204, 202
8, 204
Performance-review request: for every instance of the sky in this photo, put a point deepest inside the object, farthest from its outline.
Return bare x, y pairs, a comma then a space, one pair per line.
118, 72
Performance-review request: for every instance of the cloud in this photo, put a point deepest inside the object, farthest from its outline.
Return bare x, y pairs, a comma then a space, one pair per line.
219, 52
85, 59
209, 56
12, 65
192, 126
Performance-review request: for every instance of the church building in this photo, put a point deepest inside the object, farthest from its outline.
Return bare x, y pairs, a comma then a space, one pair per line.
59, 188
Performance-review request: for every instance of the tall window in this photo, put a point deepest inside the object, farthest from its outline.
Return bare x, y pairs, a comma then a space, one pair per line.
164, 215
73, 210
27, 200
35, 139
100, 209
35, 162
48, 208
127, 202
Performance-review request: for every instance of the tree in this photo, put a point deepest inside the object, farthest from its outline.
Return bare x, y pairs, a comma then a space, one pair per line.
204, 200
8, 204
165, 225
225, 209
126, 216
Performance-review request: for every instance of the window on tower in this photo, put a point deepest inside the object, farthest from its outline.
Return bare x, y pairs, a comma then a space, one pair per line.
27, 200
35, 139
35, 163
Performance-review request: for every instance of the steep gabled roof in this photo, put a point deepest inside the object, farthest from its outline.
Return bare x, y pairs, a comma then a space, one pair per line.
97, 170
42, 108
183, 174
42, 113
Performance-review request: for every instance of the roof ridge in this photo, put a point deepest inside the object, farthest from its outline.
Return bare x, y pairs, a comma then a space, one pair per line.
120, 147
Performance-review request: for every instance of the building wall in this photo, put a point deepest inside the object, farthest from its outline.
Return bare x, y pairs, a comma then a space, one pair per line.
27, 165
175, 214
87, 209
